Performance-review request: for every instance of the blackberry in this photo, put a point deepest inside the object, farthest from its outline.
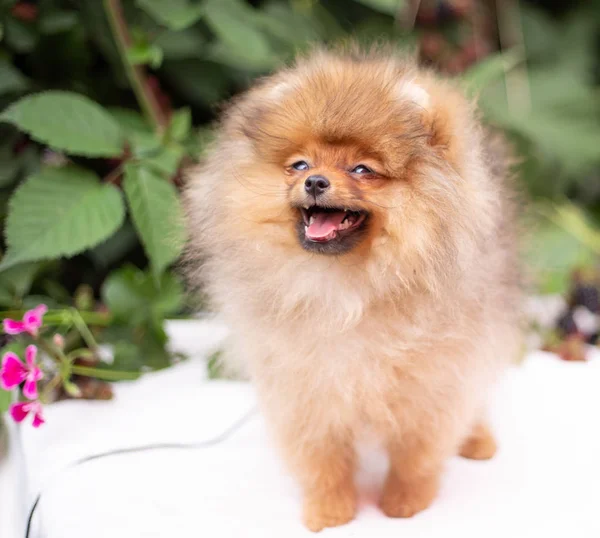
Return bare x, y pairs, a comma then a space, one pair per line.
566, 324
588, 296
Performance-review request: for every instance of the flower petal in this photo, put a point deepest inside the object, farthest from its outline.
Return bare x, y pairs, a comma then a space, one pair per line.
35, 315
38, 419
18, 411
33, 319
30, 355
30, 390
36, 373
13, 371
12, 326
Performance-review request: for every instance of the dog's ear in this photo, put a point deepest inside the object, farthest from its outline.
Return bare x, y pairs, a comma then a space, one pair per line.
411, 90
444, 111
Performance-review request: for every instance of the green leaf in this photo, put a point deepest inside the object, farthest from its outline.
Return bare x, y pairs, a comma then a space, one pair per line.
181, 123
11, 79
181, 45
201, 83
56, 22
9, 166
215, 366
136, 129
16, 282
67, 121
292, 28
157, 214
134, 296
145, 53
21, 37
60, 212
165, 161
126, 357
540, 33
241, 43
561, 121
175, 14
136, 348
389, 7
154, 351
491, 69
560, 239
5, 401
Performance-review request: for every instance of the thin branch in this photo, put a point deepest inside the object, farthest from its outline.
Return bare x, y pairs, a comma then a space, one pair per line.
510, 33
136, 75
406, 15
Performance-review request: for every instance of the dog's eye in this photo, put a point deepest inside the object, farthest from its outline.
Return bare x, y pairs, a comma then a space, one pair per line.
300, 165
361, 169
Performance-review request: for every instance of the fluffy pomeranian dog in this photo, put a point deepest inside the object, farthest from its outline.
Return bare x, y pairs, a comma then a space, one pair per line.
354, 225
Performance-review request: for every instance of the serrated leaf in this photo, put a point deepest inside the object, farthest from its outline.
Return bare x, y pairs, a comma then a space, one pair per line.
157, 214
67, 121
389, 7
175, 14
134, 296
60, 212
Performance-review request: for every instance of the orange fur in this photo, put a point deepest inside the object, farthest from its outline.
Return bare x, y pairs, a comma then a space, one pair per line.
404, 334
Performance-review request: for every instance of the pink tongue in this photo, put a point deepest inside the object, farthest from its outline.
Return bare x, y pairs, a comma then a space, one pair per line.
324, 224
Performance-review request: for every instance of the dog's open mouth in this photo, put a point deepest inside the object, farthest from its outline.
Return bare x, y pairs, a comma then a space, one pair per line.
331, 230
326, 224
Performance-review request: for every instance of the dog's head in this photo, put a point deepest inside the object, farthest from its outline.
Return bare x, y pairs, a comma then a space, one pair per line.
360, 157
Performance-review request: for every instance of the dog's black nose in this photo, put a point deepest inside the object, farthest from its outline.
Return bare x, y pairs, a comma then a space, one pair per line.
316, 185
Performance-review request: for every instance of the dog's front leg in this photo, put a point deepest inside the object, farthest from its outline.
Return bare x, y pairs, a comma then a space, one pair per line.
323, 462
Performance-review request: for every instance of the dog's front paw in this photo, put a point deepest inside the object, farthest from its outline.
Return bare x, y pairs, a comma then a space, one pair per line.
330, 509
405, 499
481, 445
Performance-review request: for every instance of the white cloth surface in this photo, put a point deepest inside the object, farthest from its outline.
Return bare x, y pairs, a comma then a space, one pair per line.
544, 481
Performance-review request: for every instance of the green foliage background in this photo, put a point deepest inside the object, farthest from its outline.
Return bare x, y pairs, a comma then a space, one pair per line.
104, 102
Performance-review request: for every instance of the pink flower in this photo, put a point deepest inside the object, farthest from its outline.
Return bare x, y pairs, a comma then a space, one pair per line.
14, 372
32, 321
18, 411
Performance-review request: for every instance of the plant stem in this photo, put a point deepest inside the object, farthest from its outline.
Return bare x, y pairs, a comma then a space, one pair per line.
57, 317
101, 373
52, 384
83, 329
144, 95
